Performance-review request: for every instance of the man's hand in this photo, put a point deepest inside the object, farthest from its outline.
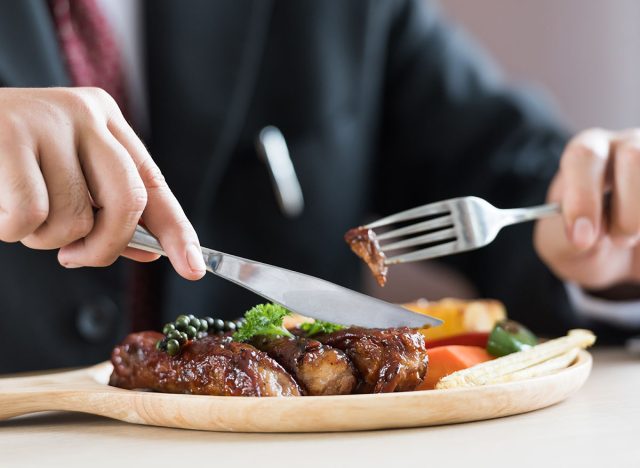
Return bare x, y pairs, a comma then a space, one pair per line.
596, 242
74, 176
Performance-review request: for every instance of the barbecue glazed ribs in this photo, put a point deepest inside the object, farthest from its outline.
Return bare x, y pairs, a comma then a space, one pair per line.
213, 365
319, 369
388, 360
353, 360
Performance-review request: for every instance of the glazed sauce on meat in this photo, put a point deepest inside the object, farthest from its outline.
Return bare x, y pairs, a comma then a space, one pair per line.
213, 365
388, 360
364, 244
318, 369
360, 360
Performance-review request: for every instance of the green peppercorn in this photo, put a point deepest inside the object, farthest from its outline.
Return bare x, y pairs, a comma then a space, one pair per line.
168, 328
218, 325
201, 335
229, 326
173, 347
159, 344
239, 323
182, 322
209, 321
195, 323
204, 325
183, 338
191, 316
174, 335
191, 332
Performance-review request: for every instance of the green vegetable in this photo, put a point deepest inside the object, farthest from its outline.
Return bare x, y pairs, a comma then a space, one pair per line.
509, 337
263, 319
195, 323
183, 329
174, 335
218, 325
173, 347
320, 326
182, 322
191, 331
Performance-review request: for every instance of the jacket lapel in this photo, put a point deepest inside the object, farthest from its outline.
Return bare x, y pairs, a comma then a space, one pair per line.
29, 55
203, 64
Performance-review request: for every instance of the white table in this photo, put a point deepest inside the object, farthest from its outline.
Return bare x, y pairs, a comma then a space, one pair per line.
599, 426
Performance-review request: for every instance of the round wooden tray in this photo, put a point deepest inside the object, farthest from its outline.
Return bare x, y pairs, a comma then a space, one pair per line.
86, 390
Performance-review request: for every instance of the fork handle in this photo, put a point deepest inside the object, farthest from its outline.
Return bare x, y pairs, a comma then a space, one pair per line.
521, 215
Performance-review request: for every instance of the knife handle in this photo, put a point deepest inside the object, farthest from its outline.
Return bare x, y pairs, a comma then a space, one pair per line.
144, 240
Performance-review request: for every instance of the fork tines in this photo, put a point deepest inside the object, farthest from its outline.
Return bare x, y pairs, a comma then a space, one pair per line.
439, 237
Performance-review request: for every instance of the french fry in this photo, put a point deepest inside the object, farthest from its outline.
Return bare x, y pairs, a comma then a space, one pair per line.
547, 367
492, 371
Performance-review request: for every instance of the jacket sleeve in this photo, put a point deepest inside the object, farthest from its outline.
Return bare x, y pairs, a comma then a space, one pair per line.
452, 127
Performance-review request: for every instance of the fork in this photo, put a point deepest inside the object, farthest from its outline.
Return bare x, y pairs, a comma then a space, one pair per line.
450, 226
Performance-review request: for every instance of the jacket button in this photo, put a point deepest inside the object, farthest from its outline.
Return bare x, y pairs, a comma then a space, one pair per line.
96, 320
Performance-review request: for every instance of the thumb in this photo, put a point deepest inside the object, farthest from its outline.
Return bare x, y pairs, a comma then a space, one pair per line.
583, 171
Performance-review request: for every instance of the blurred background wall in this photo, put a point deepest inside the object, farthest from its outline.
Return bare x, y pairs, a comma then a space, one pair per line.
584, 53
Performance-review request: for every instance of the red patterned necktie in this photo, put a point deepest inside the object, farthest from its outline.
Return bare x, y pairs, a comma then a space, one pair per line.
93, 59
89, 48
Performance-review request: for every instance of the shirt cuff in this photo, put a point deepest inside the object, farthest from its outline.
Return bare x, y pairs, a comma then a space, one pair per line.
625, 314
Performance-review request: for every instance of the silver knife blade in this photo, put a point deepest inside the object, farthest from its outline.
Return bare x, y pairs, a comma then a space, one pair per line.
300, 293
312, 297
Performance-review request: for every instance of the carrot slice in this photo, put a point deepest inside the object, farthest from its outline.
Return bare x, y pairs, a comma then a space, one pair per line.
445, 360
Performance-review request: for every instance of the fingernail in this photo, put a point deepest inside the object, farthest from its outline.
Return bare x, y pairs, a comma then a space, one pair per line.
583, 232
71, 265
195, 260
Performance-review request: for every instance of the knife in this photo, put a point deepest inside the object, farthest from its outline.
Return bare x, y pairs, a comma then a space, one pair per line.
300, 293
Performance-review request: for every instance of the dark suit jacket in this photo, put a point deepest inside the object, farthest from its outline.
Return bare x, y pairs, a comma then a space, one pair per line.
384, 106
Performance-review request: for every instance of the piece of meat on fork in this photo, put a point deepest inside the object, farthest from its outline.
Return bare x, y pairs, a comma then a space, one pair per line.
318, 368
213, 365
388, 360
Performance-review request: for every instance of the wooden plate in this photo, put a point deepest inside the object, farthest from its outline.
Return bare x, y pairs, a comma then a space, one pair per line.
86, 390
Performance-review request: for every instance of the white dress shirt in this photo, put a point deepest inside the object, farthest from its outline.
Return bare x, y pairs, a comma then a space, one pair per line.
126, 21
625, 314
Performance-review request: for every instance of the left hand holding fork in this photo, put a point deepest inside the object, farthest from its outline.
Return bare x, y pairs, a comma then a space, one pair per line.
596, 242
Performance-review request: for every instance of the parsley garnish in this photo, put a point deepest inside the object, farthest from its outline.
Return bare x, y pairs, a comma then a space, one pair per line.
263, 319
320, 326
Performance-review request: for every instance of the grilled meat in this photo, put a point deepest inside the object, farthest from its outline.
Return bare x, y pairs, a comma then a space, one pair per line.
319, 369
212, 365
364, 244
388, 360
